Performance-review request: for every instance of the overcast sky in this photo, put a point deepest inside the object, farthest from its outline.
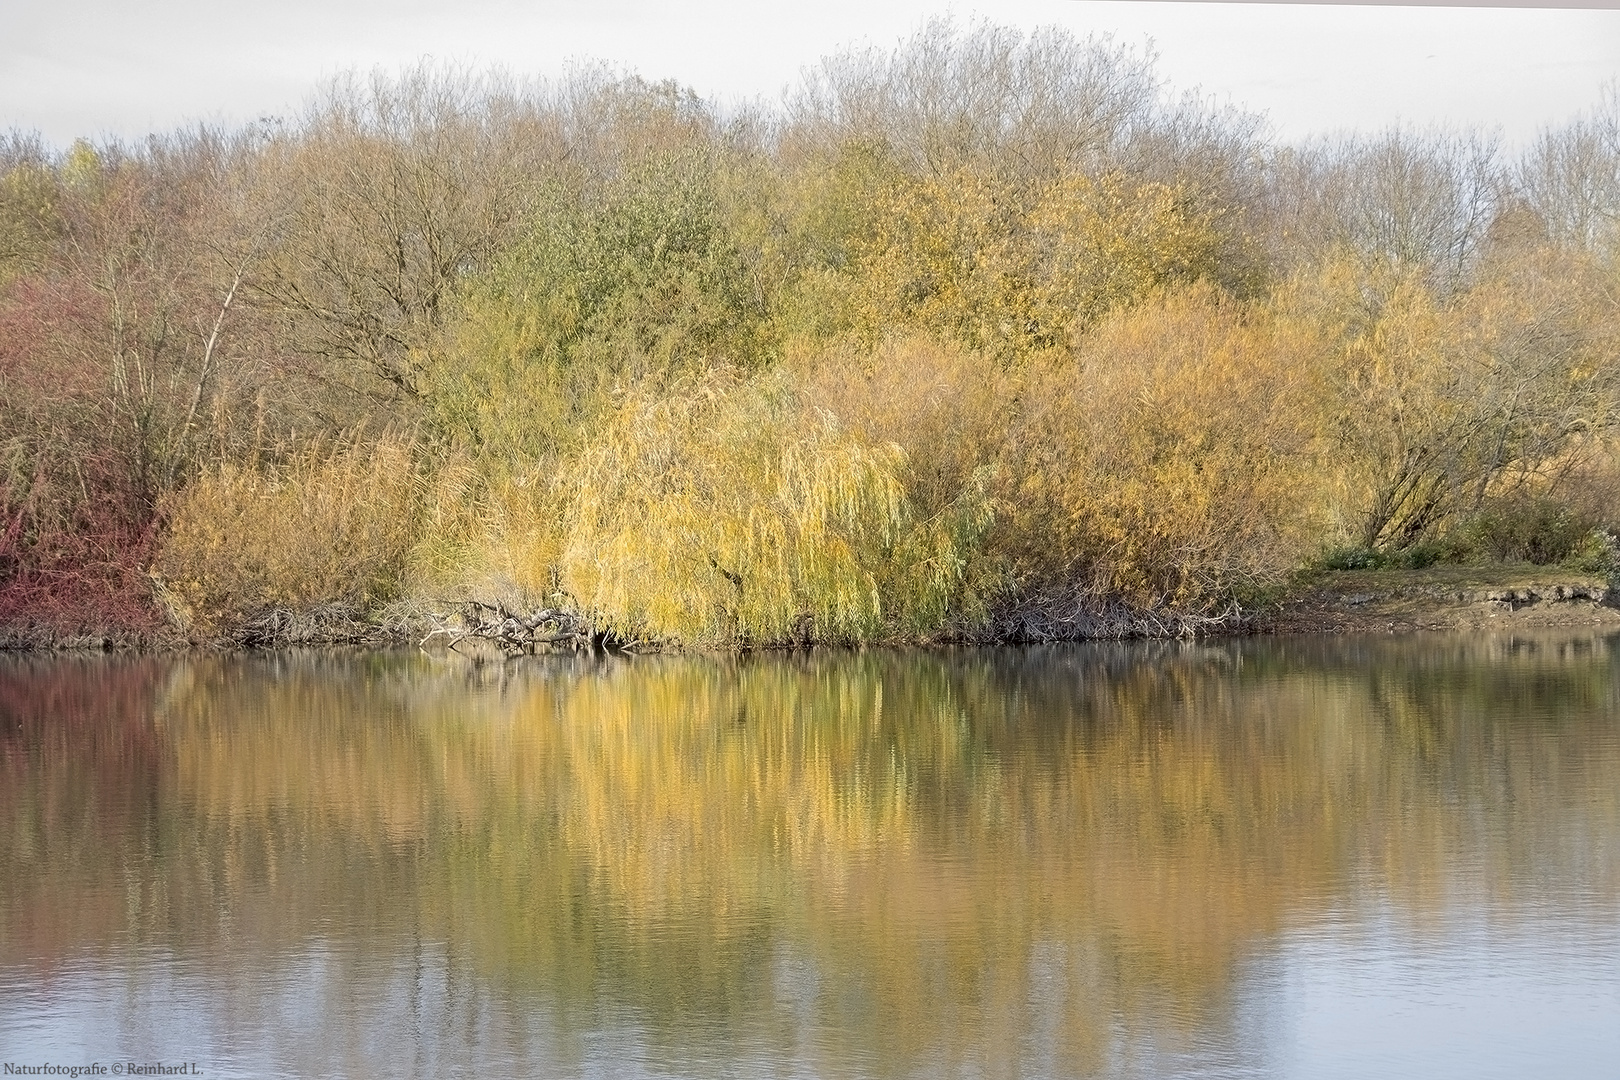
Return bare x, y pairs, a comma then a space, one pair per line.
127, 67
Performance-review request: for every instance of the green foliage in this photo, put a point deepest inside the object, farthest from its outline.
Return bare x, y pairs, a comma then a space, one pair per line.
1518, 527
647, 280
1415, 557
1347, 557
1526, 528
1598, 552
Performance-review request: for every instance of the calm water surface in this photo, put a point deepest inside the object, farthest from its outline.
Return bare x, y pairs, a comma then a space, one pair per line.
1346, 858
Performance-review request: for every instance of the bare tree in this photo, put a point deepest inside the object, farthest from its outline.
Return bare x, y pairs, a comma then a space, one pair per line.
1037, 106
1406, 200
1570, 178
133, 305
385, 195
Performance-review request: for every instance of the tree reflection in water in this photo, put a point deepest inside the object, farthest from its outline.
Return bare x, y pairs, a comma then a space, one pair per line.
1066, 861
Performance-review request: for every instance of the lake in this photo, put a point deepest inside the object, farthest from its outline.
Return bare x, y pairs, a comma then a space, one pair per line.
1312, 857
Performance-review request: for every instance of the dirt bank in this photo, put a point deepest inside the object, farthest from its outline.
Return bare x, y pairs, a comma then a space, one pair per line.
1442, 598
1318, 602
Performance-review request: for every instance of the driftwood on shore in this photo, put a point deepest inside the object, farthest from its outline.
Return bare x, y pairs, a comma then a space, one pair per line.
515, 633
324, 624
1078, 614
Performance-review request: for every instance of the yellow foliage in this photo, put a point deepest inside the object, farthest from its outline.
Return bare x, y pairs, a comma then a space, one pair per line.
332, 524
946, 407
986, 262
1435, 402
1170, 462
448, 526
729, 513
485, 532
1101, 245
516, 549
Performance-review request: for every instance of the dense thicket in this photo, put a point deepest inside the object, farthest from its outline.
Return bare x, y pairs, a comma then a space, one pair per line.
984, 335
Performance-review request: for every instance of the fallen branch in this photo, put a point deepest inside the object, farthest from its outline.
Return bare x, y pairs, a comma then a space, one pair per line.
1079, 615
515, 633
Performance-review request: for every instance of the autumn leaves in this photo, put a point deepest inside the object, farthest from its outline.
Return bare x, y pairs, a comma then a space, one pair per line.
956, 330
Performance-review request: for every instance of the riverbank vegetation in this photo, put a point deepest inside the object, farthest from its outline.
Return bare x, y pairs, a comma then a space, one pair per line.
984, 337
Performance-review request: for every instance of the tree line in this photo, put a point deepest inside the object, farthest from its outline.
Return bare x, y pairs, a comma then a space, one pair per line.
986, 335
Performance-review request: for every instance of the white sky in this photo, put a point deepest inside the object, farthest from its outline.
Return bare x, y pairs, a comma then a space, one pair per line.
126, 67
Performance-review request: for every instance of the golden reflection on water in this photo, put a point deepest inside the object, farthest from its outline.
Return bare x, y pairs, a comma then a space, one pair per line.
999, 861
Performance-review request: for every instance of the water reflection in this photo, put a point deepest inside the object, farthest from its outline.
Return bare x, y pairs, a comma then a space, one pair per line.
1118, 860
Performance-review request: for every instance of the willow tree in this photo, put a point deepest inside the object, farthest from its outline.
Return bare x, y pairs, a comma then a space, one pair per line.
734, 514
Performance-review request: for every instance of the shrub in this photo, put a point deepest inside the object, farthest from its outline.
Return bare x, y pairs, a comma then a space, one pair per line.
1166, 464
1169, 463
333, 524
1598, 552
497, 536
946, 407
1348, 557
1424, 555
76, 536
1527, 528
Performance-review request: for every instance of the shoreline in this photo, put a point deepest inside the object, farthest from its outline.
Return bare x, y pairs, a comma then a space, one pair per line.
1446, 598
